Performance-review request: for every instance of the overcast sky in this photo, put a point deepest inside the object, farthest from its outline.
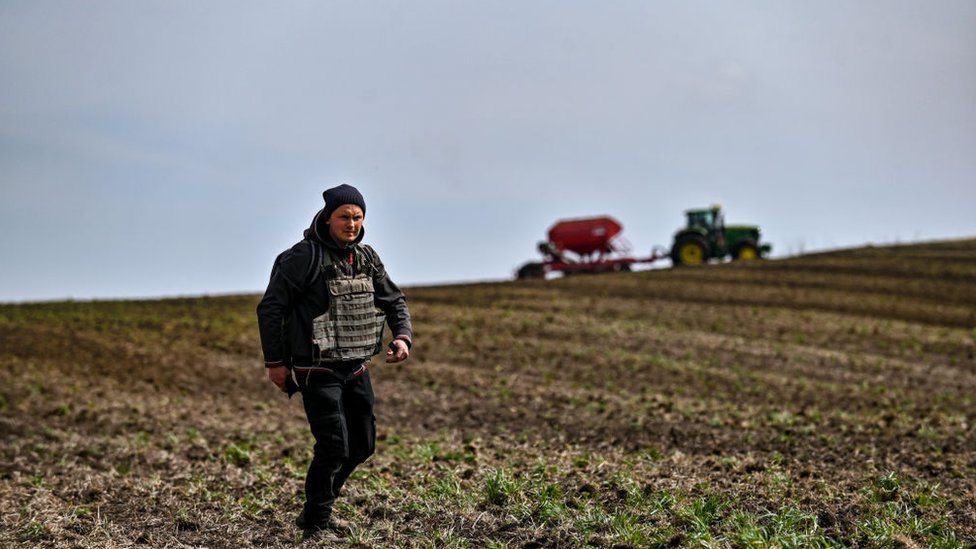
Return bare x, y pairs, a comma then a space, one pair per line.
174, 148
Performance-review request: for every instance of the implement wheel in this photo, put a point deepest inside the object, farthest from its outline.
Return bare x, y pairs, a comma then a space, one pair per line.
689, 250
531, 270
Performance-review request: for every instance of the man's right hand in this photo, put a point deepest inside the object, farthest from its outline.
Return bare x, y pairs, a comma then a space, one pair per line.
278, 375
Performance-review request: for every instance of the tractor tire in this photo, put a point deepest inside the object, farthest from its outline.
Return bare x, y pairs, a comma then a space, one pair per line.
531, 270
690, 249
747, 250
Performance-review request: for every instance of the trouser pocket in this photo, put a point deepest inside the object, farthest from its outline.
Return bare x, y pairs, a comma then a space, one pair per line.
324, 410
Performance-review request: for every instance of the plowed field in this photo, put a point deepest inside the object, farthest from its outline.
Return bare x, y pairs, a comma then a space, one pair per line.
825, 400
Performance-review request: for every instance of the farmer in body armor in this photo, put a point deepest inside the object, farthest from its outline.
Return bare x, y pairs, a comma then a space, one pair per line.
321, 320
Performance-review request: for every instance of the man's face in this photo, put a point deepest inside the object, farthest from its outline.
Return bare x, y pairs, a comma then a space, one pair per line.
345, 223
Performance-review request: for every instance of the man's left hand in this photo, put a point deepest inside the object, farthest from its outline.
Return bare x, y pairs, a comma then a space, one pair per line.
401, 353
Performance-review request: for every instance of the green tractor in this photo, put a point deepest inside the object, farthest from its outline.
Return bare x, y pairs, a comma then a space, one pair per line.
708, 237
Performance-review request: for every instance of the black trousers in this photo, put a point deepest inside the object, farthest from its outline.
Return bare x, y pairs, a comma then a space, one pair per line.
340, 415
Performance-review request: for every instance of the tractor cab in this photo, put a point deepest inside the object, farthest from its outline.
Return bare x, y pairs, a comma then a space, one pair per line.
710, 224
708, 219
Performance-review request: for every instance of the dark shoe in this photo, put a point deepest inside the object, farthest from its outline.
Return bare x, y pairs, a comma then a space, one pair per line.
337, 525
302, 522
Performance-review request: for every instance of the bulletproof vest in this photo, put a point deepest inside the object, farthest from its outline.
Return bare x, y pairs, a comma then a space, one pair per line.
352, 328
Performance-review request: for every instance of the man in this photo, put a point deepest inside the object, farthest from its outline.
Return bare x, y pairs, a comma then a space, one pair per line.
321, 320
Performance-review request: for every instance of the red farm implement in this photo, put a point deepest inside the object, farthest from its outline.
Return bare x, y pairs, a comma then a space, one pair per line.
587, 245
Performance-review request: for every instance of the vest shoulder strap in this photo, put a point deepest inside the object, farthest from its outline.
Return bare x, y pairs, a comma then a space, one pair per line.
367, 259
322, 262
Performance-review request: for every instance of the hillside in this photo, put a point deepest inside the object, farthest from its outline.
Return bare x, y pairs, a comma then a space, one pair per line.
822, 400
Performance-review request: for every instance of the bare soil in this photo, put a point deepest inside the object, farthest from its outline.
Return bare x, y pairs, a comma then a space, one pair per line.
841, 386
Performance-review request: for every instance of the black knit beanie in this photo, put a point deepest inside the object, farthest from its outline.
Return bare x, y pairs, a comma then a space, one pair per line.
343, 194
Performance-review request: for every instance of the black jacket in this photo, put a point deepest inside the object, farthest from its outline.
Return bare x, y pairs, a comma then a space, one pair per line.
296, 294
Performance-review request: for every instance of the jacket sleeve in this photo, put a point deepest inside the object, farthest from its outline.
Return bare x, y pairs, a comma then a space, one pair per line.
390, 299
284, 287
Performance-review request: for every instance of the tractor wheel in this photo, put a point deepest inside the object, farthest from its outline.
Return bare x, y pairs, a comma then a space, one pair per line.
531, 270
746, 251
689, 250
